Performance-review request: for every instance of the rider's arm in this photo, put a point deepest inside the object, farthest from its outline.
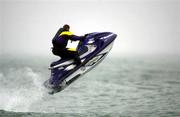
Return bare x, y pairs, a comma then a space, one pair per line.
77, 38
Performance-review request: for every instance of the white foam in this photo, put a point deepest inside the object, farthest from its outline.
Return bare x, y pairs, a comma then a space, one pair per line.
22, 95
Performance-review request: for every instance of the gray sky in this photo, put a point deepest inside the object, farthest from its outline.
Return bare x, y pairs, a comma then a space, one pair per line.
142, 26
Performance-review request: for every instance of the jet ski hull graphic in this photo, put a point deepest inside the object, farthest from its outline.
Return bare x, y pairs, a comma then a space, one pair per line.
92, 51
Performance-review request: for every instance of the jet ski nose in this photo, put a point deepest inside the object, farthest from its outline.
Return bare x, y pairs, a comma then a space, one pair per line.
112, 35
108, 37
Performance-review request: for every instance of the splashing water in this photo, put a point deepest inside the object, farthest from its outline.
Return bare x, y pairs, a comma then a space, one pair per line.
28, 91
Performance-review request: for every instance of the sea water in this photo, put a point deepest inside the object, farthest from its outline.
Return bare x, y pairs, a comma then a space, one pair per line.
118, 87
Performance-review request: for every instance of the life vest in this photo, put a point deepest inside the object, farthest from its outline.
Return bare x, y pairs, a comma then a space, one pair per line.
71, 45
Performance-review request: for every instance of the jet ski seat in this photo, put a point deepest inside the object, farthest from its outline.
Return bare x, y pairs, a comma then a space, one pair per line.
81, 50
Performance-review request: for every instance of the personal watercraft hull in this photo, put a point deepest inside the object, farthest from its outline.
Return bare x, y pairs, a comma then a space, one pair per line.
97, 46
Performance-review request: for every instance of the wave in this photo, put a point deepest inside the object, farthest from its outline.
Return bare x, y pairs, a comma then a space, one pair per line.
33, 114
20, 88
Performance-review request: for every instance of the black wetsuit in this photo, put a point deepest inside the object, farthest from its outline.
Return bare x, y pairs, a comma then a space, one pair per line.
59, 46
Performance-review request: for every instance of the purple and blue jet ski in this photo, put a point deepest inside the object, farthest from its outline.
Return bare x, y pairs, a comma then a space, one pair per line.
92, 51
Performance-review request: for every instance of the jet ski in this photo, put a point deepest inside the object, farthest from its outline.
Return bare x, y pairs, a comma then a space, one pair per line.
92, 51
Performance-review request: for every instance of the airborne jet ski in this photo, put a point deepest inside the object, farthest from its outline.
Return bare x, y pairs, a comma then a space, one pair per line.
92, 51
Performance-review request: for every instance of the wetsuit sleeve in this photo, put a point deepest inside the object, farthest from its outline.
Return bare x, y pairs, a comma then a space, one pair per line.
77, 38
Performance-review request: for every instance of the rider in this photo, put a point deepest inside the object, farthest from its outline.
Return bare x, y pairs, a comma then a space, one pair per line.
60, 42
